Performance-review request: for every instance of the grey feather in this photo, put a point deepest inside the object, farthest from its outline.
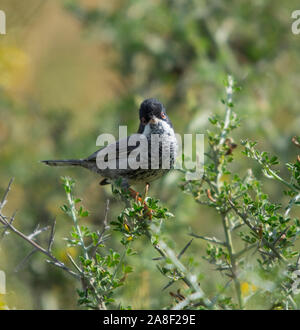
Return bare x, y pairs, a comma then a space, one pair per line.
67, 162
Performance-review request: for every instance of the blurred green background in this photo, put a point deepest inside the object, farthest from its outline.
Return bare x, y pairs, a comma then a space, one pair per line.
71, 70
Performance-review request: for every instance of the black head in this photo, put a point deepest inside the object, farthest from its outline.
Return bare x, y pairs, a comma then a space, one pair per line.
149, 109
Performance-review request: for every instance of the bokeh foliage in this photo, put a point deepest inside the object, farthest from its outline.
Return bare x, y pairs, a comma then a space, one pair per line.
71, 70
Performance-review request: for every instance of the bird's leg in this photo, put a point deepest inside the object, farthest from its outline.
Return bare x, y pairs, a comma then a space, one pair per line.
134, 194
125, 187
146, 191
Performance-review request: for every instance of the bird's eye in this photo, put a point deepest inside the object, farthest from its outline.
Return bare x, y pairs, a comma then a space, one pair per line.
163, 116
143, 121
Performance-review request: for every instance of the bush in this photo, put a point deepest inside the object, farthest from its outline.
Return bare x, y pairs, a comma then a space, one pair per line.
257, 256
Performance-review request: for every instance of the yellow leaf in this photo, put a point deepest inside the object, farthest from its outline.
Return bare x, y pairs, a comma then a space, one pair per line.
245, 288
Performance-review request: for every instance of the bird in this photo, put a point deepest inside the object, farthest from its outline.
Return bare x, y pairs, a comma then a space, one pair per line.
155, 133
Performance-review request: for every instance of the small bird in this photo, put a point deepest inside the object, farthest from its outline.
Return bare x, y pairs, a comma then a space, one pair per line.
154, 124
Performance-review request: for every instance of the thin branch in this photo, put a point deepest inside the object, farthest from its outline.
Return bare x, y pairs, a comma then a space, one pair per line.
51, 238
292, 202
192, 297
273, 174
298, 262
191, 280
233, 259
281, 235
74, 263
229, 92
105, 227
216, 297
168, 285
244, 217
12, 218
238, 225
8, 224
22, 263
37, 231
209, 239
184, 249
106, 214
179, 255
75, 220
3, 201
246, 249
53, 259
268, 172
225, 219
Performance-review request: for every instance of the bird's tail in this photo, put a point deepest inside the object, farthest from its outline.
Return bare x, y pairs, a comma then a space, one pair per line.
68, 162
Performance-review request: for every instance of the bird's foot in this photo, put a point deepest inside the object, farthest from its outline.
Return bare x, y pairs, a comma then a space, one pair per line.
134, 194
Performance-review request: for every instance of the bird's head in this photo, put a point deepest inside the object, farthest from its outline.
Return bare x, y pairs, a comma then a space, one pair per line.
152, 114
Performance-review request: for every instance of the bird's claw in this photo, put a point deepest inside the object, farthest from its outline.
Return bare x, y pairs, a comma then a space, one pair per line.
135, 195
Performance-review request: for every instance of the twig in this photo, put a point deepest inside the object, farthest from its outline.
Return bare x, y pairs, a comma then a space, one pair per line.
191, 279
215, 298
53, 259
105, 227
75, 220
106, 214
74, 263
12, 218
3, 201
291, 203
244, 217
192, 297
281, 235
22, 263
184, 249
37, 231
268, 172
51, 238
8, 224
246, 249
233, 259
225, 219
236, 226
168, 285
229, 93
209, 239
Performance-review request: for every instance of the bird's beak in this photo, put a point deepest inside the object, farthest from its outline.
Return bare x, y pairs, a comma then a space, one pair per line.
153, 120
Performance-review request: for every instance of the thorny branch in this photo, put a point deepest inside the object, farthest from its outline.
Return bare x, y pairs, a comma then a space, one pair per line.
8, 225
244, 217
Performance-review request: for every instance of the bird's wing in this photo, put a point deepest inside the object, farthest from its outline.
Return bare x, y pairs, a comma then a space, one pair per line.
119, 153
117, 148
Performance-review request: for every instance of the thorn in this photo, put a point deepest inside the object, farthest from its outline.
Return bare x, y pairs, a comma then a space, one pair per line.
184, 249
